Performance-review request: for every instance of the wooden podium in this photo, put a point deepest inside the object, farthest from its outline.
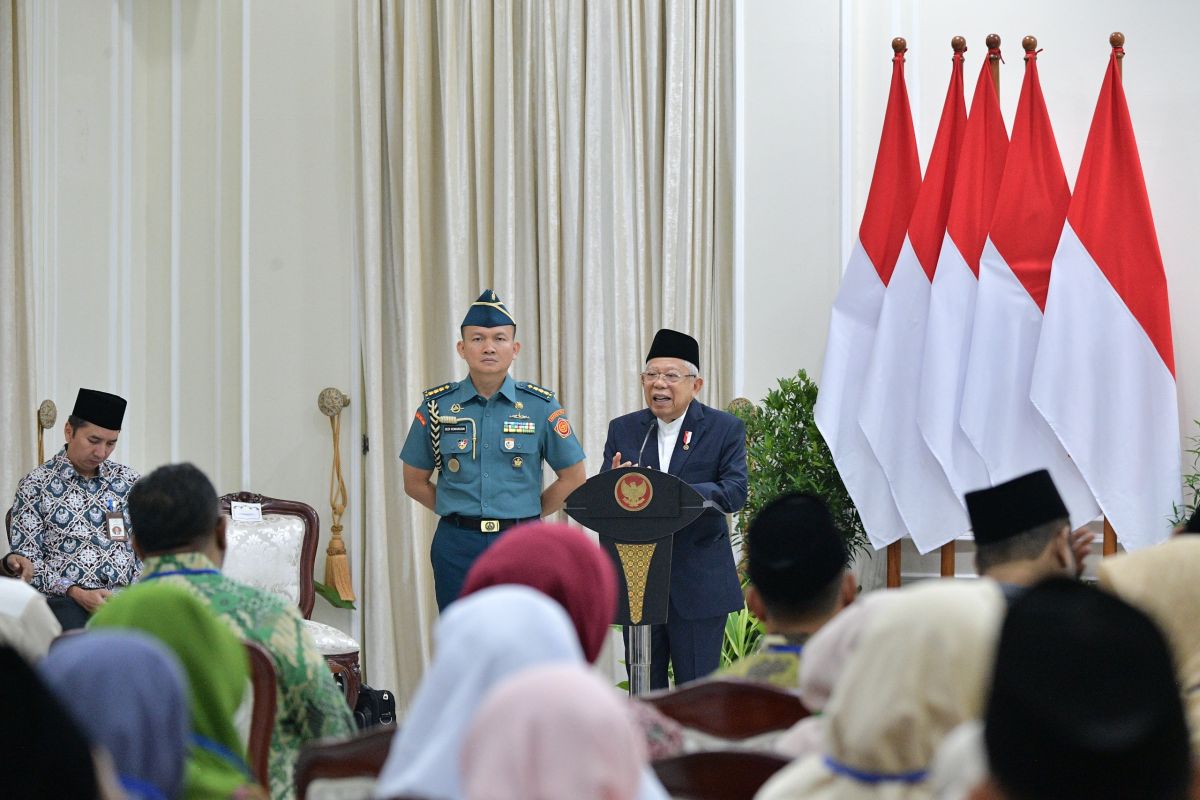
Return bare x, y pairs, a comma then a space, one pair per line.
637, 511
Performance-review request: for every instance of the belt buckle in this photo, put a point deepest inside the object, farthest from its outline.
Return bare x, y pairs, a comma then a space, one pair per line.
489, 526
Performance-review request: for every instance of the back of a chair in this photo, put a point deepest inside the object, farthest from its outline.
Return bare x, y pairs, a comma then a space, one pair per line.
717, 774
360, 756
262, 711
730, 709
276, 554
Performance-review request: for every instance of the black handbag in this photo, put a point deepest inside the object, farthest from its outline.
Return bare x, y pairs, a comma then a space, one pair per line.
374, 707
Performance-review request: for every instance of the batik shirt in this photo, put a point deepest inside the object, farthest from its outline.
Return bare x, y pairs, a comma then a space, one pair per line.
58, 524
776, 662
308, 703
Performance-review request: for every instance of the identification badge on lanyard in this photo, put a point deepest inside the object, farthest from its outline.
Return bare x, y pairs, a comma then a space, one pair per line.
115, 521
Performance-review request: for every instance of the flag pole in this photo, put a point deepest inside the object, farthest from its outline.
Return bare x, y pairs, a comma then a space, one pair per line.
1117, 40
899, 47
993, 56
959, 45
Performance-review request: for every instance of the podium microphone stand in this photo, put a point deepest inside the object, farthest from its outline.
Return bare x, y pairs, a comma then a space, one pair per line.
637, 511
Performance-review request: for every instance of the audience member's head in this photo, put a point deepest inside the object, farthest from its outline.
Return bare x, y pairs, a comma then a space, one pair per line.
142, 720
174, 509
217, 670
561, 562
479, 641
1022, 530
825, 657
1162, 581
797, 564
552, 732
1193, 523
48, 755
920, 669
1084, 702
26, 621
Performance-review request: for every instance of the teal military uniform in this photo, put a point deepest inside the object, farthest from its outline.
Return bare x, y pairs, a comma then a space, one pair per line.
491, 465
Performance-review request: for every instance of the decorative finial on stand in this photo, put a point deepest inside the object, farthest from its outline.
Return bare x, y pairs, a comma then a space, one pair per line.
47, 413
331, 401
1030, 44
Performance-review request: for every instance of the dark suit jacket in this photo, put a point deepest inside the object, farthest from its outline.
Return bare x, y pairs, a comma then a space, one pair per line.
704, 581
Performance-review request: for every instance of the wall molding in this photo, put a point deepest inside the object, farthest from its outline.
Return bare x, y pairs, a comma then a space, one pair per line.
176, 221
244, 233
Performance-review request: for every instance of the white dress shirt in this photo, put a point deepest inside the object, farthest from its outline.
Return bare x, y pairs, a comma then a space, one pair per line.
668, 434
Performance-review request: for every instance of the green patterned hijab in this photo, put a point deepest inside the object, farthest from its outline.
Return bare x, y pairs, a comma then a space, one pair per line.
217, 670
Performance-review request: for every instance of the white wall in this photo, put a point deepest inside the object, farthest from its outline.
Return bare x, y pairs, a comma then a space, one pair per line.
193, 193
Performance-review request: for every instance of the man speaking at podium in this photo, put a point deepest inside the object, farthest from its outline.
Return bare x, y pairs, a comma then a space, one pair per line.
706, 449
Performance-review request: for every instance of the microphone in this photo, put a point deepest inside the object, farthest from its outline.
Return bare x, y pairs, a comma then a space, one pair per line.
645, 439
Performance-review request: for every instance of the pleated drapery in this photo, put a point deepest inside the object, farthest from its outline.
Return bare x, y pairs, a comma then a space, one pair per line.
576, 157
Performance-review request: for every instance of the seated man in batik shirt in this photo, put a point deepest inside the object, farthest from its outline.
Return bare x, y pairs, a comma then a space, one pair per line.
70, 530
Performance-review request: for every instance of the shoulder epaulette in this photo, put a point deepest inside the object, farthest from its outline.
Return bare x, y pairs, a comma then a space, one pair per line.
533, 388
437, 391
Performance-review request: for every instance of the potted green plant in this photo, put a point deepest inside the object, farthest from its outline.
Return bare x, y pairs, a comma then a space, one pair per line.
784, 453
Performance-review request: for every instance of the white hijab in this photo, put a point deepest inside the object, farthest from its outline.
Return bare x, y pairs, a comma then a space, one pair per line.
825, 658
26, 622
479, 640
920, 668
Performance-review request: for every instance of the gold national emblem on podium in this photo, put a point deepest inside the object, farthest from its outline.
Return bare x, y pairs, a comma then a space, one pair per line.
633, 491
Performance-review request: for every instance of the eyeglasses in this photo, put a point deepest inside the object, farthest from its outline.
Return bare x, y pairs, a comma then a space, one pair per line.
669, 378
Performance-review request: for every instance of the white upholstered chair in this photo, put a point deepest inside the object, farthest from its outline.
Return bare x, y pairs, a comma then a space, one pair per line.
277, 555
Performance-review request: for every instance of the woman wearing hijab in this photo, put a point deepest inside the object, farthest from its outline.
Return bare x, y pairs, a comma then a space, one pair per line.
217, 671
26, 621
142, 721
479, 641
1162, 582
920, 668
553, 732
46, 754
561, 562
825, 658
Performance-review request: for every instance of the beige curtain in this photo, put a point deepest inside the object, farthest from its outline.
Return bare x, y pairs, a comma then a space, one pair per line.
17, 404
575, 156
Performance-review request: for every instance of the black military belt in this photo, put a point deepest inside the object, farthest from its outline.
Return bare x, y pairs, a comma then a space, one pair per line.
483, 524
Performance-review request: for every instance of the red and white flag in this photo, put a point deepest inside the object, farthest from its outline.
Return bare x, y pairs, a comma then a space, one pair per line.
855, 316
952, 296
1014, 273
931, 510
1104, 377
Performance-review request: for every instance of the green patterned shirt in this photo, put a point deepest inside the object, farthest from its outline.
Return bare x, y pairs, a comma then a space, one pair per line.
777, 662
308, 702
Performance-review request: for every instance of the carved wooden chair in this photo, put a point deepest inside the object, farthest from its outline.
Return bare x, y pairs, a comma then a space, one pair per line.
730, 709
262, 710
718, 774
359, 757
277, 555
